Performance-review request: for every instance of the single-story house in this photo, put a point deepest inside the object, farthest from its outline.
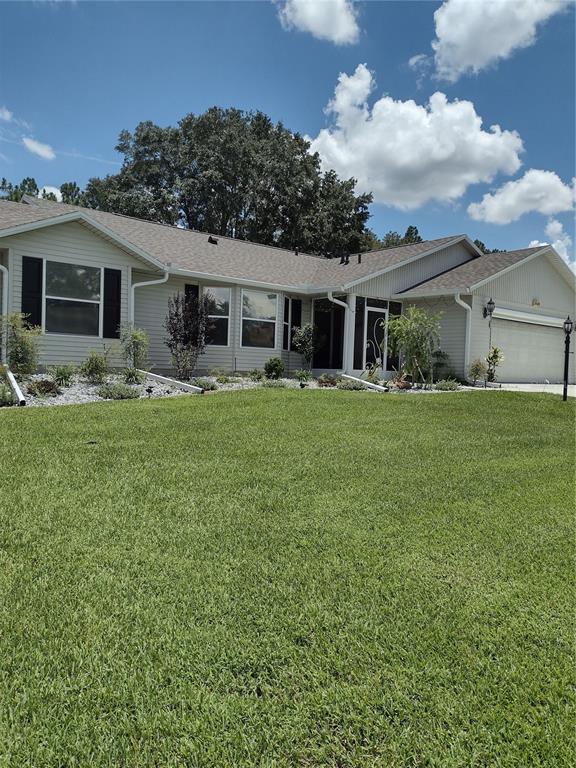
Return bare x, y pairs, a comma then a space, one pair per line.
80, 273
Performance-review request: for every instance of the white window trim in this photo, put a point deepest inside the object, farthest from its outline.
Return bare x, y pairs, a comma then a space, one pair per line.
100, 301
258, 319
206, 289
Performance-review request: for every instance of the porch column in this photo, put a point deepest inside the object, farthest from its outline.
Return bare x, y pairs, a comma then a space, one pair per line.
349, 327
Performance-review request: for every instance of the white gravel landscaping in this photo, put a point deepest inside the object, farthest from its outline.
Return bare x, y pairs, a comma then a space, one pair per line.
82, 392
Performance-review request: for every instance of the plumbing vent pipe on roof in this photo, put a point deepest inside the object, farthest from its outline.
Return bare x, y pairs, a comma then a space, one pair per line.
212, 240
359, 258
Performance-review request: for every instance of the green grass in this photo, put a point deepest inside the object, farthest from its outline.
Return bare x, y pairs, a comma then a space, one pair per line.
287, 578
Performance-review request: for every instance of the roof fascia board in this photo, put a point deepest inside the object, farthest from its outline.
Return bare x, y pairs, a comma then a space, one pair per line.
425, 294
418, 256
82, 218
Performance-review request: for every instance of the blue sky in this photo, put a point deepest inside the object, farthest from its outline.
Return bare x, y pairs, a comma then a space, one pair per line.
73, 75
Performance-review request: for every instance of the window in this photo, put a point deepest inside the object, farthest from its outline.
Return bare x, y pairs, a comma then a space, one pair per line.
259, 319
217, 335
292, 320
73, 299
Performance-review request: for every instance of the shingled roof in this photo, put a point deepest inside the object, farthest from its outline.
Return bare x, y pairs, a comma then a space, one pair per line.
465, 277
193, 252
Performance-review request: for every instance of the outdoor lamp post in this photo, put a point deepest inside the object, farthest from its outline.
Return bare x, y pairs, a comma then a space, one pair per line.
568, 327
488, 312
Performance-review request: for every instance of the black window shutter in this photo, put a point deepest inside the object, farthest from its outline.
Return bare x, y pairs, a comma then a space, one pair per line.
359, 333
191, 291
32, 289
112, 301
296, 316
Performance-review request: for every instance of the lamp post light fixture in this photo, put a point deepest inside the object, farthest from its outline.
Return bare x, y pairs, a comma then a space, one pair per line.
488, 312
568, 328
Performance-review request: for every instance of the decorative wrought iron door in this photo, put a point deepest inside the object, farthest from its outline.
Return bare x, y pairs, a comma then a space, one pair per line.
375, 349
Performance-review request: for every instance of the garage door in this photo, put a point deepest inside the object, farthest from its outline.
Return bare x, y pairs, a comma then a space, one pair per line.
533, 353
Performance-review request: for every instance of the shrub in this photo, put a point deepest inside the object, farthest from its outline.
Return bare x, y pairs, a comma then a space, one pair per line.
493, 360
6, 395
273, 368
63, 375
478, 370
274, 384
134, 343
43, 388
21, 344
118, 391
133, 376
415, 334
328, 380
441, 365
95, 368
302, 374
187, 327
221, 376
446, 385
304, 341
352, 386
255, 374
206, 384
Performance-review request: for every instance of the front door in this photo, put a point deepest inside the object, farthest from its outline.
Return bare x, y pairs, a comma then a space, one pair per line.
375, 334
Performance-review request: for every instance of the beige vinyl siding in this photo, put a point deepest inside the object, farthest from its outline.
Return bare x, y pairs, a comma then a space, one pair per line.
537, 279
411, 274
150, 308
532, 353
75, 244
452, 328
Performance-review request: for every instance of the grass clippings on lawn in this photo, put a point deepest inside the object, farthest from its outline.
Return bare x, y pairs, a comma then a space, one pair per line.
285, 578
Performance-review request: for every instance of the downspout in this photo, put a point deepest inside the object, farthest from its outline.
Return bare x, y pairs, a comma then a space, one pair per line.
468, 309
348, 356
143, 284
4, 334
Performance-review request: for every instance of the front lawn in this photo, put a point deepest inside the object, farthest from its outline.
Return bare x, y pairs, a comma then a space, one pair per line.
282, 578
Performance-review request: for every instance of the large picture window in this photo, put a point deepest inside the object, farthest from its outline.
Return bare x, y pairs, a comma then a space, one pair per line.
73, 295
217, 335
259, 312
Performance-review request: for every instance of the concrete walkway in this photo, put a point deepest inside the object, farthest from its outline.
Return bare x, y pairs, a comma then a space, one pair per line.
550, 389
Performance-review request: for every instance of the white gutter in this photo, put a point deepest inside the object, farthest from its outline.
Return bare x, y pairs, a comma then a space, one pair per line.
4, 338
158, 281
15, 388
468, 309
337, 301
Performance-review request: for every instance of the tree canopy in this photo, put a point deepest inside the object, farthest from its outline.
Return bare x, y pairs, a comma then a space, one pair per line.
237, 174
231, 173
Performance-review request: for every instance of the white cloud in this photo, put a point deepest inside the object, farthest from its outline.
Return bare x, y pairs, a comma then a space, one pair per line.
420, 65
561, 240
409, 154
333, 20
37, 148
537, 191
6, 115
473, 34
54, 190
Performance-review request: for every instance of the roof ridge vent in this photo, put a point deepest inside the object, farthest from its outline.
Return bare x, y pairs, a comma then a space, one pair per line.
212, 240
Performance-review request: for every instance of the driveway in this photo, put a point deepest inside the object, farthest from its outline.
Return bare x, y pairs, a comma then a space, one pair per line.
552, 389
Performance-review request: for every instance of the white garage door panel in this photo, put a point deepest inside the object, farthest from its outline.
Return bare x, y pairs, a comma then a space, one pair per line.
532, 353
